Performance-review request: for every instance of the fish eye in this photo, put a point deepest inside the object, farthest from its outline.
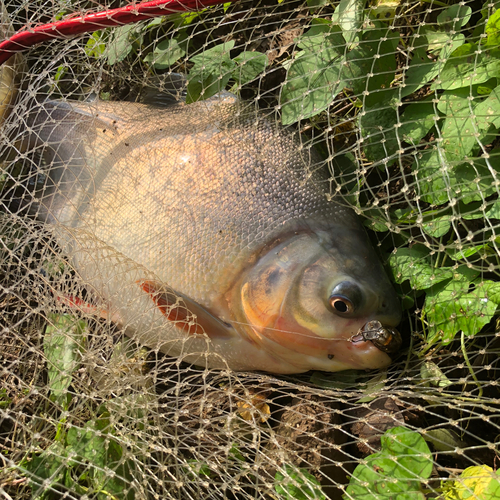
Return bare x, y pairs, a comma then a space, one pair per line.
345, 297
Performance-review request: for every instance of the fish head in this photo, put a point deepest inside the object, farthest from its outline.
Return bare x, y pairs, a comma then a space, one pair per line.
321, 300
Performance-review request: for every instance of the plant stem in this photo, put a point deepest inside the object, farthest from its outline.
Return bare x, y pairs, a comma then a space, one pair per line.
467, 362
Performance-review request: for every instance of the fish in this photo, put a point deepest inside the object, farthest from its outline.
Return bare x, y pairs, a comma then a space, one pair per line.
204, 231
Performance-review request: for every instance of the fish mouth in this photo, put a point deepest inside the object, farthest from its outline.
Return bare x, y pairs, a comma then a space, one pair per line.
386, 339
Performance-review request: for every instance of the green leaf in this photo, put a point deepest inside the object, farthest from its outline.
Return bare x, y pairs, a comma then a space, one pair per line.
379, 133
439, 181
62, 345
466, 252
46, 469
313, 79
418, 118
487, 112
444, 439
468, 66
454, 17
414, 264
349, 16
431, 373
168, 52
452, 308
122, 42
437, 227
459, 128
95, 446
372, 387
493, 30
95, 46
292, 483
490, 290
249, 66
211, 72
395, 471
476, 482
422, 69
370, 67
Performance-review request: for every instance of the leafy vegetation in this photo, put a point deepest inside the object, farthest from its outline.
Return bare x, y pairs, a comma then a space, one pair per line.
79, 458
479, 482
293, 483
396, 471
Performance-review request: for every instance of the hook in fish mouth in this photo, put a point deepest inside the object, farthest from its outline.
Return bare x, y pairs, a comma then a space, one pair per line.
387, 339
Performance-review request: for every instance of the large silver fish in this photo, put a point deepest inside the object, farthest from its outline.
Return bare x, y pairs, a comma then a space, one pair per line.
206, 230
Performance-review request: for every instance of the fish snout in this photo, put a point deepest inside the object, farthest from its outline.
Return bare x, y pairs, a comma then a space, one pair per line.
385, 338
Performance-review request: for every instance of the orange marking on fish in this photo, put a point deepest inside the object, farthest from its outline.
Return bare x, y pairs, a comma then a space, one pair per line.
167, 303
77, 303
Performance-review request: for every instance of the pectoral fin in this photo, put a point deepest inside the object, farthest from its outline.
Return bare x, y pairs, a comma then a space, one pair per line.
187, 314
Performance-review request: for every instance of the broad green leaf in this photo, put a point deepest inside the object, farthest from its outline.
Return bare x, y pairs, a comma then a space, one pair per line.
491, 211
492, 30
454, 17
444, 439
394, 472
477, 482
250, 65
490, 289
422, 69
414, 264
292, 483
459, 128
95, 46
211, 72
349, 16
452, 308
347, 379
121, 44
437, 227
384, 10
439, 180
414, 456
46, 470
431, 373
466, 252
417, 120
372, 387
487, 112
468, 66
474, 181
313, 79
379, 134
167, 52
97, 447
62, 345
370, 67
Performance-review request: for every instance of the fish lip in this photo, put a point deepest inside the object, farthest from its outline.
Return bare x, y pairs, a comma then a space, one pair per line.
385, 338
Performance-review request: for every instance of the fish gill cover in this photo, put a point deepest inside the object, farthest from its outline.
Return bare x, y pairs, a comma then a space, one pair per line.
391, 108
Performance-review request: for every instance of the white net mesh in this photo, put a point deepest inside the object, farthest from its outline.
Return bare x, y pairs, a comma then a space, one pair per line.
161, 180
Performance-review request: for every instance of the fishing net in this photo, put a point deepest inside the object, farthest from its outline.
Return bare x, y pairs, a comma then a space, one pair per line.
400, 102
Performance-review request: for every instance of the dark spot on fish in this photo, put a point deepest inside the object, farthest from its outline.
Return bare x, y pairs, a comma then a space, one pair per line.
220, 232
126, 144
103, 130
330, 356
273, 277
161, 130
